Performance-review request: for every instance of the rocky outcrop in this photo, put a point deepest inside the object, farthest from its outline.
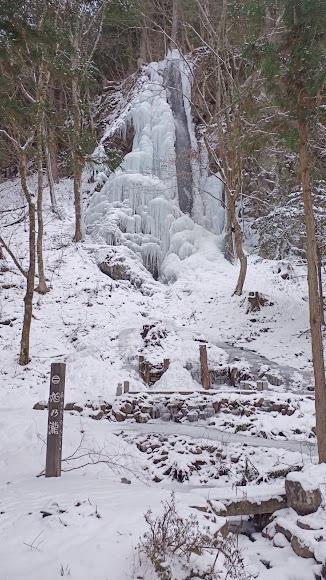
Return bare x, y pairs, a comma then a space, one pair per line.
183, 148
120, 263
248, 507
303, 501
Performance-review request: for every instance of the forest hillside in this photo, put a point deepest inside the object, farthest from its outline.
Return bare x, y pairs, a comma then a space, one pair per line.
162, 280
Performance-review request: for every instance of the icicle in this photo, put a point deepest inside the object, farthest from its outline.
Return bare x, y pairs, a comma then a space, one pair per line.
152, 257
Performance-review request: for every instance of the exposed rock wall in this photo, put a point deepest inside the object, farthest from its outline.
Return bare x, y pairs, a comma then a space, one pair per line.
173, 84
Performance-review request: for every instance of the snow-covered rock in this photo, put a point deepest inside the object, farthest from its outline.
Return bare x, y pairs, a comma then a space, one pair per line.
303, 489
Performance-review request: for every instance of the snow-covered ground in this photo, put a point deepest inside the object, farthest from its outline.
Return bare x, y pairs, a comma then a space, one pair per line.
88, 523
94, 324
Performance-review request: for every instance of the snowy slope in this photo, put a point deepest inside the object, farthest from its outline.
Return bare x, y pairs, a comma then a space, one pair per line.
94, 324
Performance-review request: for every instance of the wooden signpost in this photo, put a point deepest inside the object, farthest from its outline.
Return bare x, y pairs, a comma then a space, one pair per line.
55, 420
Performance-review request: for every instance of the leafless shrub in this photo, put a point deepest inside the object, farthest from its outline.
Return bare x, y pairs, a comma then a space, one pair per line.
171, 538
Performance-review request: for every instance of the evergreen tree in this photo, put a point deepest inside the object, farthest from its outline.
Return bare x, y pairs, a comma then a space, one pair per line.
294, 63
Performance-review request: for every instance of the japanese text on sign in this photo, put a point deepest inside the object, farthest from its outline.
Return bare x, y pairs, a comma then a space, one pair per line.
55, 397
53, 428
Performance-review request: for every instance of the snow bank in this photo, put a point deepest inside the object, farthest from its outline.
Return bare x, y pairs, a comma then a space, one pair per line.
176, 378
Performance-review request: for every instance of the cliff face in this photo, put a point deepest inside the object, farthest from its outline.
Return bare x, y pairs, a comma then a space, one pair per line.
175, 97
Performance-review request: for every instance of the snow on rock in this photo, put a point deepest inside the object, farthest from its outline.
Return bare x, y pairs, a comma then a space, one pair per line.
121, 263
176, 378
310, 478
304, 490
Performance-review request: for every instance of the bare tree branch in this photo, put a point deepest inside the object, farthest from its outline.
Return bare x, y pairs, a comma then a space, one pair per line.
13, 257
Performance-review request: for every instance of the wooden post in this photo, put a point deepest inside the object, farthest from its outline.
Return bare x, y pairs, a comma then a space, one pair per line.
55, 420
126, 386
141, 365
205, 378
119, 390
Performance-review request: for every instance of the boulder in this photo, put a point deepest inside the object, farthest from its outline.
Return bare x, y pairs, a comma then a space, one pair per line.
323, 571
280, 541
120, 263
192, 416
269, 531
105, 407
70, 406
40, 406
117, 271
119, 416
309, 524
274, 379
126, 408
248, 506
216, 406
146, 408
300, 548
142, 417
280, 528
300, 543
302, 499
97, 416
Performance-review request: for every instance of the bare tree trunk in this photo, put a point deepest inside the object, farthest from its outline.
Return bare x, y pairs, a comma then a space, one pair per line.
28, 299
175, 24
242, 257
238, 241
144, 43
90, 114
320, 285
42, 286
78, 202
49, 171
313, 287
228, 237
53, 150
12, 255
77, 160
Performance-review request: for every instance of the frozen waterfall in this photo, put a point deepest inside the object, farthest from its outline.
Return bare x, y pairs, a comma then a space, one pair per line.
182, 144
162, 195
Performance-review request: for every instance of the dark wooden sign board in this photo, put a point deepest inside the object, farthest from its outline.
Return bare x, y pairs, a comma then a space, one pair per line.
55, 420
